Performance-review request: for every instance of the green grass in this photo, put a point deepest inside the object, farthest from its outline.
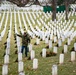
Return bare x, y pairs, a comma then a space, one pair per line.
44, 64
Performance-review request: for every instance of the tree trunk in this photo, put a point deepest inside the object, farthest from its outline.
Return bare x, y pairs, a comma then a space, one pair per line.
67, 8
53, 10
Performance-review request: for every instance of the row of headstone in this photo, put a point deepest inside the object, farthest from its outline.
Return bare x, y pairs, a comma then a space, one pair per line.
6, 5
4, 30
60, 15
32, 57
31, 18
63, 38
61, 60
24, 21
61, 57
30, 24
22, 31
36, 60
55, 34
58, 36
32, 53
20, 62
1, 23
73, 6
7, 52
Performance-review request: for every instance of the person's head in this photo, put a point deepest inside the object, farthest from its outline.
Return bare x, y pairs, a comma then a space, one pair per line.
25, 33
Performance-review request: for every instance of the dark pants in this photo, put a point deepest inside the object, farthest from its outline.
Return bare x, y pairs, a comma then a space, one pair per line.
26, 50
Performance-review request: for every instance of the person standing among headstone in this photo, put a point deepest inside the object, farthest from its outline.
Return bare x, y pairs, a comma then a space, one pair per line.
25, 41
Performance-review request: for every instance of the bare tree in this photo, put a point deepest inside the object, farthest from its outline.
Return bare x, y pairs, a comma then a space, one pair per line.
54, 4
67, 3
67, 8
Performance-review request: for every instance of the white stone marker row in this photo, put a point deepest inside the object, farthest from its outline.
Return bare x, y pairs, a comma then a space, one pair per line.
1, 23
4, 30
61, 57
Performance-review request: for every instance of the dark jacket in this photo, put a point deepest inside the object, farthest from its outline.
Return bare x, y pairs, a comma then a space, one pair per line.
25, 39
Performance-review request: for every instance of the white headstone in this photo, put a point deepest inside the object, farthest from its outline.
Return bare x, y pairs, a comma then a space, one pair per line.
42, 28
8, 44
69, 41
32, 54
7, 51
55, 50
18, 42
54, 70
8, 39
43, 38
5, 70
61, 59
33, 36
55, 39
19, 56
46, 40
19, 49
37, 41
59, 42
51, 36
35, 63
43, 52
30, 47
72, 56
65, 48
63, 38
20, 66
50, 43
6, 59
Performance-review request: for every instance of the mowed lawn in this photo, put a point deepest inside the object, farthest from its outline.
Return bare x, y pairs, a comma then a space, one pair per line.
44, 64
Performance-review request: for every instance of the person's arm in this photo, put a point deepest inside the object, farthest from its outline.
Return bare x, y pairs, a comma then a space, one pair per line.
19, 35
